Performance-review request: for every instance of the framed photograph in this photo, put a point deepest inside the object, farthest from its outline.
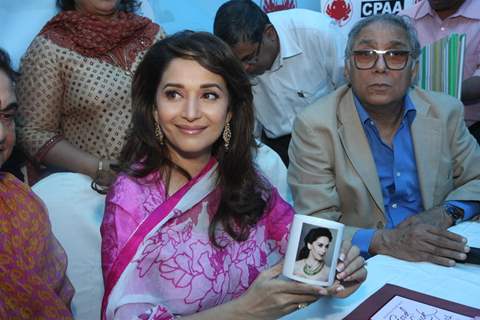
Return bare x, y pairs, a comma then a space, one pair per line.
313, 249
402, 303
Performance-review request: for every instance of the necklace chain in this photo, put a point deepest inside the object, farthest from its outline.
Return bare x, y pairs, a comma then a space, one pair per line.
309, 271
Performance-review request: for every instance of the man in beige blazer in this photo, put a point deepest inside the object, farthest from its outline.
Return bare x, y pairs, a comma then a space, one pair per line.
394, 163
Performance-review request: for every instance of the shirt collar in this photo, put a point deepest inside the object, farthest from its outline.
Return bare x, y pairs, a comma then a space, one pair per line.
468, 10
287, 42
424, 9
409, 112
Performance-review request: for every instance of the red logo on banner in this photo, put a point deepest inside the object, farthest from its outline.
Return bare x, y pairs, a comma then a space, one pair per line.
277, 5
340, 10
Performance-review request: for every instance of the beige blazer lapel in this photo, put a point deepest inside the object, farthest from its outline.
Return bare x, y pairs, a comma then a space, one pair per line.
426, 136
357, 149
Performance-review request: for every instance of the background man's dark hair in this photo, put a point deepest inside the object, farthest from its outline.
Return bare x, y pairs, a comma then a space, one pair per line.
125, 5
240, 21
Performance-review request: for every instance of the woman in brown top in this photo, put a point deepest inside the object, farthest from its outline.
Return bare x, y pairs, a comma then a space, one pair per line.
74, 88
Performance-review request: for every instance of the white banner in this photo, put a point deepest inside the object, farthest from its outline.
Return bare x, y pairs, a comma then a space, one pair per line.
347, 12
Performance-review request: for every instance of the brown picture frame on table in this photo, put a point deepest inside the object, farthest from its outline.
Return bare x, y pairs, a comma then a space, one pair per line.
381, 297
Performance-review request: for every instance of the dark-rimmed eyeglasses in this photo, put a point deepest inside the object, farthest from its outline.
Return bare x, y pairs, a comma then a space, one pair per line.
252, 59
367, 59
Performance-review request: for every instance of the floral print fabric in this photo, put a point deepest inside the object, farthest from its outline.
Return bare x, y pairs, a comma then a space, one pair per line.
179, 271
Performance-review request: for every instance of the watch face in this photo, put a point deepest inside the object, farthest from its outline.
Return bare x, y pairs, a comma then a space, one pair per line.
455, 212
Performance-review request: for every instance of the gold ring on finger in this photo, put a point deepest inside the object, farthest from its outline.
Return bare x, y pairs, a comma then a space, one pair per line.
302, 305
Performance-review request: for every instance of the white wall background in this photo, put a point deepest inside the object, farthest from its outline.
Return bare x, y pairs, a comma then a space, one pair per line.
21, 20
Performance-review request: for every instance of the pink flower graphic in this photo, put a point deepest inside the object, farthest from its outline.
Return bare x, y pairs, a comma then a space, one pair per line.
157, 313
209, 275
277, 5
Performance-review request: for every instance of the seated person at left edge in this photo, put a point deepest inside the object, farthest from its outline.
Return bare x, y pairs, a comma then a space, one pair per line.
33, 280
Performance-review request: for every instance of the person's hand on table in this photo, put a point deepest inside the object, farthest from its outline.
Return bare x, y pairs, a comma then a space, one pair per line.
413, 240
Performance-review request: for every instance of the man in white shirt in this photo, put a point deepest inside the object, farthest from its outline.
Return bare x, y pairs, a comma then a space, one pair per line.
294, 56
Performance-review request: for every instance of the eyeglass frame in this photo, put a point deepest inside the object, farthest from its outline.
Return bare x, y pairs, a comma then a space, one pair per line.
382, 53
254, 59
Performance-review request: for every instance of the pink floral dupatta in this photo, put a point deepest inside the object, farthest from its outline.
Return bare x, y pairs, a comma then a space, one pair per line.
118, 288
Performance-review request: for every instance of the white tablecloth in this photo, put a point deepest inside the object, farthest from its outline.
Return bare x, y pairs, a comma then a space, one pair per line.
459, 284
76, 212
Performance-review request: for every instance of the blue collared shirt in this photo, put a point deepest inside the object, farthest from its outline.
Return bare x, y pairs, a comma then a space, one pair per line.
397, 172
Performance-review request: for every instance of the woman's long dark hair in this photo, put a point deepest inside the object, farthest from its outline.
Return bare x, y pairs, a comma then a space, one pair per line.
310, 238
125, 5
244, 196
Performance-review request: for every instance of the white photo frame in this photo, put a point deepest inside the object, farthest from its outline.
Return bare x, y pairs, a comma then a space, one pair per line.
313, 240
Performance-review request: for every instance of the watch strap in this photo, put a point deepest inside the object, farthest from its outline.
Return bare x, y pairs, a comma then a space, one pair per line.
455, 212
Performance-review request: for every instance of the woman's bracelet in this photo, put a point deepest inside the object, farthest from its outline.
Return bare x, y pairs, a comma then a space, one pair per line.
99, 168
98, 176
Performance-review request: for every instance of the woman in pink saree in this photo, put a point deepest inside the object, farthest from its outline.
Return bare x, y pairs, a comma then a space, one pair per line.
191, 228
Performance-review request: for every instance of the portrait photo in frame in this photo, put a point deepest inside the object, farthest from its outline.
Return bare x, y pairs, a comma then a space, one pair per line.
313, 249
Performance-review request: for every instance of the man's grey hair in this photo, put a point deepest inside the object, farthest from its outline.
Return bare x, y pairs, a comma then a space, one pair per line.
403, 22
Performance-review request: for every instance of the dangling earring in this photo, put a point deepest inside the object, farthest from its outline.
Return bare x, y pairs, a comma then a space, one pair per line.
158, 133
227, 135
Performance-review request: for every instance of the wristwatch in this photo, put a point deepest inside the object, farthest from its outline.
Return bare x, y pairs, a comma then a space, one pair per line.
455, 212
